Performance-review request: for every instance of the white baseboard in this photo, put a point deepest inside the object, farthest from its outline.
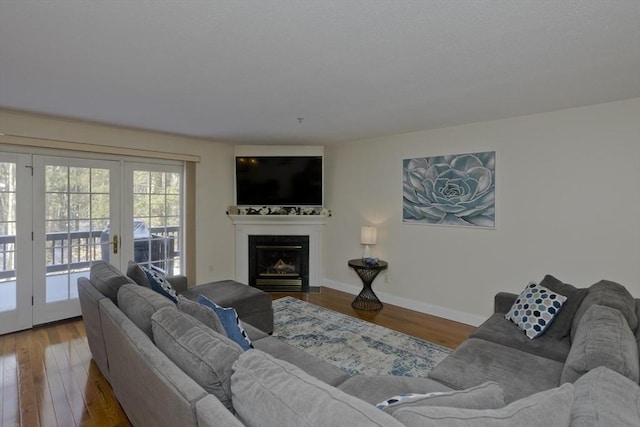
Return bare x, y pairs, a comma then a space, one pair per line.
434, 310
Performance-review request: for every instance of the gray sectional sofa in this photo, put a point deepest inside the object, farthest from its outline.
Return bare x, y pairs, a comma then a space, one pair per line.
169, 364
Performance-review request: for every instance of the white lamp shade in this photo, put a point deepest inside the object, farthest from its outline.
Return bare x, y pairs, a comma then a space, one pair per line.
368, 235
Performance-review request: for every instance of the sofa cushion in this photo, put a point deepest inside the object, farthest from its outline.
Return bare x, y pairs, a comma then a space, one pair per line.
139, 303
200, 352
610, 294
484, 396
603, 338
230, 321
603, 397
312, 365
374, 389
271, 392
137, 274
160, 284
108, 279
501, 331
547, 408
561, 326
477, 361
202, 313
534, 309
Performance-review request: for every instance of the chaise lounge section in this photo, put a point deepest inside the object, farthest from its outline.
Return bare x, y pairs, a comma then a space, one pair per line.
252, 305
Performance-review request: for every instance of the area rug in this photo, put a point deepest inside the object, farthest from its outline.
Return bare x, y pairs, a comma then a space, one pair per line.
353, 345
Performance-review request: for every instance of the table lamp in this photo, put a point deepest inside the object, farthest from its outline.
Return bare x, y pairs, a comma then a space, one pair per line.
367, 238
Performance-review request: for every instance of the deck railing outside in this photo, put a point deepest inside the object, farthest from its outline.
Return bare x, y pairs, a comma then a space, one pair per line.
76, 250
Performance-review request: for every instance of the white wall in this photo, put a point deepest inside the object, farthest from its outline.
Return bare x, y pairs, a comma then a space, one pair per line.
214, 184
568, 204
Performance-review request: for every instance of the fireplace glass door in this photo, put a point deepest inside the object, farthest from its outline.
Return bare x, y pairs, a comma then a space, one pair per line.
279, 263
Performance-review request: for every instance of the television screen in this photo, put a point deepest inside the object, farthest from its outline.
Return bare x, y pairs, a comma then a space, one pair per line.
279, 181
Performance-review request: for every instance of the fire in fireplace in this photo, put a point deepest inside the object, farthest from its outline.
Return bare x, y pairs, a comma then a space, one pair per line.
279, 263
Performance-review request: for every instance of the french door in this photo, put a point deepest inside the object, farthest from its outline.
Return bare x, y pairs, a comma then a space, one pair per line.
58, 215
155, 204
15, 242
76, 221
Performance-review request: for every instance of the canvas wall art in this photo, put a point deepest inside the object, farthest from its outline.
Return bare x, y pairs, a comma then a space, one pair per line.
456, 190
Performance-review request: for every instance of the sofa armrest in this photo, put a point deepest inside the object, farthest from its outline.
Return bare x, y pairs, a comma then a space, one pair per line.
212, 413
178, 282
503, 301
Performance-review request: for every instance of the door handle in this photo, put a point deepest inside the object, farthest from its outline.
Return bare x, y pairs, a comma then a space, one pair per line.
115, 244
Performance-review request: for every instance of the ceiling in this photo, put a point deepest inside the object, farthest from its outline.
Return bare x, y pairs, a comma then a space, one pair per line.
245, 71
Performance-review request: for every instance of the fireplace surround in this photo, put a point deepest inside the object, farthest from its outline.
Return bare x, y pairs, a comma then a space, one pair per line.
311, 226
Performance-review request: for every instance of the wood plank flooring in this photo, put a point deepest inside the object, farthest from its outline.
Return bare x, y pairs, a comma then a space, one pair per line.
48, 377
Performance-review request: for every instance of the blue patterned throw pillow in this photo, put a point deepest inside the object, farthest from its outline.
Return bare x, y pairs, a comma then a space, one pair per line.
159, 284
230, 321
534, 309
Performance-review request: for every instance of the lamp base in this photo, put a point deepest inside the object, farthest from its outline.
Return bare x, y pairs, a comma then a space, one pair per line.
366, 252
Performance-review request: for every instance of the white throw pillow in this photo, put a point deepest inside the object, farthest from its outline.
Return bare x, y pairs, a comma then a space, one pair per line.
534, 309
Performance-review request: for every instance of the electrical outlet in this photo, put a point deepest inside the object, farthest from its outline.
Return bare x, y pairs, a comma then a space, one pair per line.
386, 278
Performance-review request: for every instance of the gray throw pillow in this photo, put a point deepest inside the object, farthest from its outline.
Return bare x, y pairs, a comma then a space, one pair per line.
203, 354
603, 338
603, 397
484, 396
135, 273
202, 313
271, 392
561, 326
547, 408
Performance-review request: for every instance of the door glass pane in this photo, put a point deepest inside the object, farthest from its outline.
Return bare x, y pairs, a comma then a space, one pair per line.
77, 217
157, 211
8, 299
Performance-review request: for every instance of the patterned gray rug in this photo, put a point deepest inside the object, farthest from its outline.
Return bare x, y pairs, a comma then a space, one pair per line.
353, 345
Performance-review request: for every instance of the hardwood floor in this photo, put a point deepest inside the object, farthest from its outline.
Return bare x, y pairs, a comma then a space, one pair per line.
48, 378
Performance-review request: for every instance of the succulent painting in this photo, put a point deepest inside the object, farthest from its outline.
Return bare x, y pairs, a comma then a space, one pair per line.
457, 189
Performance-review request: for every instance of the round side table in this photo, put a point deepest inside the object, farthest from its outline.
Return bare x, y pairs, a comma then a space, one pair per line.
367, 299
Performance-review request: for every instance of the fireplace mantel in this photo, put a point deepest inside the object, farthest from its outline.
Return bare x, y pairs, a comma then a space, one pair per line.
279, 225
278, 219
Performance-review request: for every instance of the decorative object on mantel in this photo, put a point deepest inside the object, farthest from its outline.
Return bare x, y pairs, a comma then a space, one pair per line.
456, 189
278, 210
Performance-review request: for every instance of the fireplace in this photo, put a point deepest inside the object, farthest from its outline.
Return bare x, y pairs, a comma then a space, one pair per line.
311, 226
279, 263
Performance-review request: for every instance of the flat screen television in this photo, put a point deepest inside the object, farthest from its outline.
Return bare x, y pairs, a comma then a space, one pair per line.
279, 181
